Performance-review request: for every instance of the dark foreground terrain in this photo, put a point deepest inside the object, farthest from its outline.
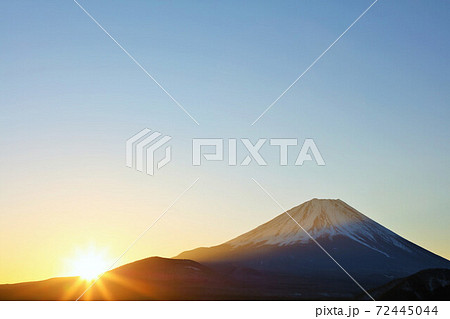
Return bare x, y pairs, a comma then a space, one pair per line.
174, 279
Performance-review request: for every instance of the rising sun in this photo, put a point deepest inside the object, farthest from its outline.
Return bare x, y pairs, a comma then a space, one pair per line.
88, 264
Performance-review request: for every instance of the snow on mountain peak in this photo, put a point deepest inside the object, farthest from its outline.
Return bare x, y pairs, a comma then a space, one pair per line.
321, 218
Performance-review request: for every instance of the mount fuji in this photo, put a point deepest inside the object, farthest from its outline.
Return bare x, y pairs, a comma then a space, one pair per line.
371, 253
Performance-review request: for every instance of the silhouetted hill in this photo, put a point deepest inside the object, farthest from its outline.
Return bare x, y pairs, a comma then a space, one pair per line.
152, 278
429, 284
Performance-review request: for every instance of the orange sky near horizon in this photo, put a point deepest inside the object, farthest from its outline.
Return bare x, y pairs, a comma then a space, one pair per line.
39, 235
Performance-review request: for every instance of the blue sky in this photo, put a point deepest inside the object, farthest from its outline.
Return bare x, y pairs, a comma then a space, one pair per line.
377, 106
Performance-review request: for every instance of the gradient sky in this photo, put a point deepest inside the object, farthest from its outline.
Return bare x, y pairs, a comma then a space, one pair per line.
377, 106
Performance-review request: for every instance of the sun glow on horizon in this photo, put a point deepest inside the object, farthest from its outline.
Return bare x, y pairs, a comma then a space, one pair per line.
88, 264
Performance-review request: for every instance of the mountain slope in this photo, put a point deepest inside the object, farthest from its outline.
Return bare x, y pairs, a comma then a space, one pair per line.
429, 284
370, 252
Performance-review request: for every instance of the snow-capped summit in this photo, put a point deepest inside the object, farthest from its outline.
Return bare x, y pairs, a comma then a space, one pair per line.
320, 219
